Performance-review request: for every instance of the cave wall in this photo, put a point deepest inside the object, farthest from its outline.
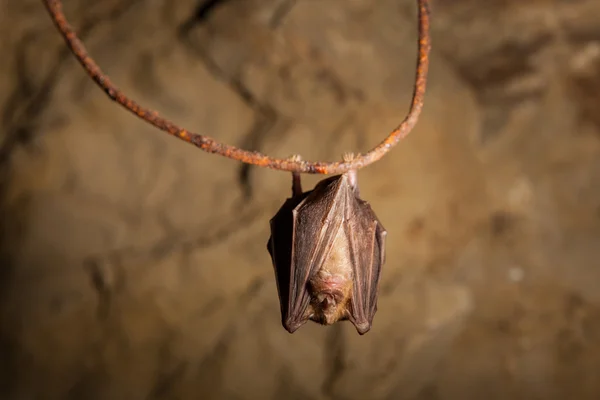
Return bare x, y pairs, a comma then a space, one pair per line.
134, 266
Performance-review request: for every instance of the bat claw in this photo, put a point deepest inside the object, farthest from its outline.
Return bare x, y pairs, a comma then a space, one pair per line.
348, 157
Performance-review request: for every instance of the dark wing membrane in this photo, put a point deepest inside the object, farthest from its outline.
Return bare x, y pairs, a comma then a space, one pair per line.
280, 249
367, 252
316, 221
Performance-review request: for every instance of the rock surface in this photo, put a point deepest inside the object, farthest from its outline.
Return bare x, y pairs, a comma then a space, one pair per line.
134, 266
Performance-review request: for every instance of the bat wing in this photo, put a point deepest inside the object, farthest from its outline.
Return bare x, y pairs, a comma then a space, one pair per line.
367, 252
301, 237
316, 221
280, 249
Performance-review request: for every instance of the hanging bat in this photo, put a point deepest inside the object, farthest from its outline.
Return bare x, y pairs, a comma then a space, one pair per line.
327, 248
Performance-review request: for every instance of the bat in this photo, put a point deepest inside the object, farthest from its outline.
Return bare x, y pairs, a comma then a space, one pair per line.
327, 248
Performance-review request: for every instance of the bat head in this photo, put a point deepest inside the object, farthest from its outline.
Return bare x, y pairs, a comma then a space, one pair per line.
329, 295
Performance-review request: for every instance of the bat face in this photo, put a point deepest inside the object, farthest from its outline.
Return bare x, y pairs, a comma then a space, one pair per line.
327, 248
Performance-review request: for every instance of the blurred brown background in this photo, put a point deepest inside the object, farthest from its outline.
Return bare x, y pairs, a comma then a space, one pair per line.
134, 266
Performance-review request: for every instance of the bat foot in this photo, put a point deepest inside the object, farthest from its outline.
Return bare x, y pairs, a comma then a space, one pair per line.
296, 180
353, 180
348, 157
295, 158
296, 184
351, 174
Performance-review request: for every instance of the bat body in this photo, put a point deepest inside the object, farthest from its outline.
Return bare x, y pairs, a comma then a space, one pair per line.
327, 248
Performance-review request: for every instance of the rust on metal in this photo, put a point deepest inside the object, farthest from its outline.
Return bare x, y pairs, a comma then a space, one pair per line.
213, 146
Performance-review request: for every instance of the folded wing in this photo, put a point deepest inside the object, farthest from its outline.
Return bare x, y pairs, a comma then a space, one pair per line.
367, 251
316, 221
